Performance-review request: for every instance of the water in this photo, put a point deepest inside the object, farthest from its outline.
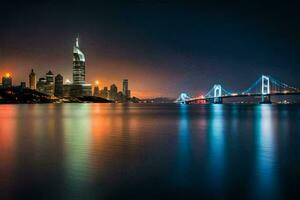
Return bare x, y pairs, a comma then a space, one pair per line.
140, 151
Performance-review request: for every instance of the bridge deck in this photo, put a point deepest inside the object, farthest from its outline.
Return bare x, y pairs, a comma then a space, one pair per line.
242, 95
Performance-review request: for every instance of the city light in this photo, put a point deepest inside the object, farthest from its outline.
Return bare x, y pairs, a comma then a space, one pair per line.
97, 82
7, 75
68, 81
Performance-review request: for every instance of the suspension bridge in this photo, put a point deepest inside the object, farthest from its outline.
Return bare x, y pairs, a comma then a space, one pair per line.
264, 87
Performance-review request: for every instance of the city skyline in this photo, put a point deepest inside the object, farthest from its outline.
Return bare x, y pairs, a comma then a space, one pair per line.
163, 48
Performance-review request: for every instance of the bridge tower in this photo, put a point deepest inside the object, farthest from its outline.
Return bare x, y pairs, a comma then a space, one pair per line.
218, 94
182, 99
265, 90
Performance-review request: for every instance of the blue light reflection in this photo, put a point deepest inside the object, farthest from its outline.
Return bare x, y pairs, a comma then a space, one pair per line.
265, 175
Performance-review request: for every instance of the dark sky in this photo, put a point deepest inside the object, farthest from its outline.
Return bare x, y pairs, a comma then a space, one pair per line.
162, 47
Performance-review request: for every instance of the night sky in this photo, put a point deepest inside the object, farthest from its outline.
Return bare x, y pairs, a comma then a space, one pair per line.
162, 47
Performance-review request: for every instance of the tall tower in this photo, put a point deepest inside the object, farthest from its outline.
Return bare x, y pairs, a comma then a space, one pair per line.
126, 91
32, 80
125, 87
78, 65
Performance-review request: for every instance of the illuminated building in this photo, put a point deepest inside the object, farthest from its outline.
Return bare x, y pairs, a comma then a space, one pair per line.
41, 85
49, 89
78, 65
113, 92
7, 81
32, 80
81, 90
58, 88
50, 77
67, 88
79, 87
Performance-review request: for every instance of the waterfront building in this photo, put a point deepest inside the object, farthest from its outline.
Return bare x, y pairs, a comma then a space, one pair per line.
126, 91
125, 86
96, 89
49, 88
67, 88
104, 93
7, 81
41, 85
81, 90
58, 87
23, 85
78, 65
119, 97
32, 80
49, 77
113, 92
79, 87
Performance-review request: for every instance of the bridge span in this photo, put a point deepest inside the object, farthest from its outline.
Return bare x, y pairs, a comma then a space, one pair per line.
265, 87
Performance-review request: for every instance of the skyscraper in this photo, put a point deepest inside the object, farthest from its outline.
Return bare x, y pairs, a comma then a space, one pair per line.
59, 81
78, 65
113, 92
126, 91
125, 86
32, 80
49, 83
79, 87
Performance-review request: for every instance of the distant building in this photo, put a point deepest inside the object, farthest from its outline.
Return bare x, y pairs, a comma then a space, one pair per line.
125, 86
113, 92
23, 85
81, 90
58, 87
128, 94
50, 77
96, 91
41, 85
7, 81
104, 93
67, 88
126, 91
119, 97
32, 80
49, 89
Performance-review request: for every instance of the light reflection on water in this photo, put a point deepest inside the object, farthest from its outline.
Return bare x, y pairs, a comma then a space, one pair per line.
184, 148
135, 151
216, 145
266, 175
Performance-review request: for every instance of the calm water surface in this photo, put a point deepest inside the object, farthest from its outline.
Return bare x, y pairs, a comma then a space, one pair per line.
137, 151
